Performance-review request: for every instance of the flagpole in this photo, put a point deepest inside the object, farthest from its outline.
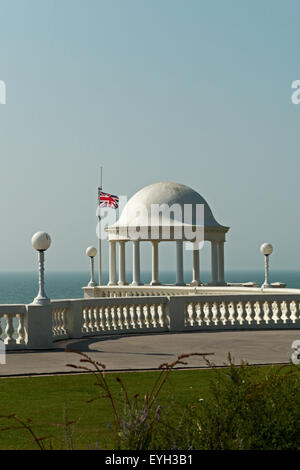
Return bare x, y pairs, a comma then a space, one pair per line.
99, 237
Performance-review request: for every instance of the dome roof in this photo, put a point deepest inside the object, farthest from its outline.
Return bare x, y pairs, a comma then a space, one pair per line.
167, 193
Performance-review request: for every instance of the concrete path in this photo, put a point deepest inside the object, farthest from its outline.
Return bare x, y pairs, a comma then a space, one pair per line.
144, 352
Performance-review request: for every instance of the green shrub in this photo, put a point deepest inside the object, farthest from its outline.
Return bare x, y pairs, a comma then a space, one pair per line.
248, 409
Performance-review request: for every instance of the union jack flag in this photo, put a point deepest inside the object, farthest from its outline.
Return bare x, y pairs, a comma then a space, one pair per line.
107, 200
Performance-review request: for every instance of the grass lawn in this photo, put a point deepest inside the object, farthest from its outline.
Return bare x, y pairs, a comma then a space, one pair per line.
46, 400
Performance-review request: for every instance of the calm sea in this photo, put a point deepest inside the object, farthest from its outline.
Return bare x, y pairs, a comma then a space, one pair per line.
22, 287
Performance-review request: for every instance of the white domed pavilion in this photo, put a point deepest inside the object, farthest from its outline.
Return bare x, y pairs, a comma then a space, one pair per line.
139, 223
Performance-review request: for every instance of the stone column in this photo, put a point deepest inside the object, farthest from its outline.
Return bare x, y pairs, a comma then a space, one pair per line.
155, 276
136, 270
179, 260
196, 269
214, 263
112, 263
221, 274
122, 266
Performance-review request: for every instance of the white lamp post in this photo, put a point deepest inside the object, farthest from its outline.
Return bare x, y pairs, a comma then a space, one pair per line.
41, 242
266, 249
91, 251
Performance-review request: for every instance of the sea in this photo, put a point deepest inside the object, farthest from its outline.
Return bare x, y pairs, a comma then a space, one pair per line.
22, 287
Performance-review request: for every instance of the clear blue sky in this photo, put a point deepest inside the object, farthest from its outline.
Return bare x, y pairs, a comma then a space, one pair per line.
191, 91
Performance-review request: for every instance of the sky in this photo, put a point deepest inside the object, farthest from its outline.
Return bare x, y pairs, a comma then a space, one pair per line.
196, 92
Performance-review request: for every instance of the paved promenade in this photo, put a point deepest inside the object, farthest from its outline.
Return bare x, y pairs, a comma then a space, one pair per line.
144, 352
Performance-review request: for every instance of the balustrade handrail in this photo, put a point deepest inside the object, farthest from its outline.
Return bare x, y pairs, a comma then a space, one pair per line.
242, 298
145, 290
7, 309
112, 300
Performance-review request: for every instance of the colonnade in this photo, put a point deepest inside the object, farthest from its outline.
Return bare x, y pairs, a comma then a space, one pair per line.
217, 264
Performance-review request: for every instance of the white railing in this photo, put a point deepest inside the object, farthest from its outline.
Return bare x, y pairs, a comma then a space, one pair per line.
38, 327
12, 326
263, 311
109, 316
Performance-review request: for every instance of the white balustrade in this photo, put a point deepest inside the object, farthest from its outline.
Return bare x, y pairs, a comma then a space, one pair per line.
22, 326
242, 313
12, 326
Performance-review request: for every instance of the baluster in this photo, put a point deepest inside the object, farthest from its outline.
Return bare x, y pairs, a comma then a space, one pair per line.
273, 312
226, 314
60, 323
206, 310
199, 314
263, 316
189, 316
215, 310
256, 310
289, 320
154, 315
156, 310
108, 323
9, 331
146, 316
135, 316
126, 316
160, 312
90, 316
268, 314
139, 319
248, 312
85, 326
21, 329
96, 318
281, 312
113, 317
54, 323
195, 307
1, 331
120, 319
240, 312
57, 332
232, 311
64, 320
101, 318
131, 317
293, 309
221, 309
210, 314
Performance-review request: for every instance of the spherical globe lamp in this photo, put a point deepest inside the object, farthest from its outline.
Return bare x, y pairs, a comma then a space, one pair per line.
91, 251
41, 241
266, 249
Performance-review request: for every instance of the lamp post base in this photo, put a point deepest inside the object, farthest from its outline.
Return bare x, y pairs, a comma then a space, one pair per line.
267, 286
92, 284
41, 301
